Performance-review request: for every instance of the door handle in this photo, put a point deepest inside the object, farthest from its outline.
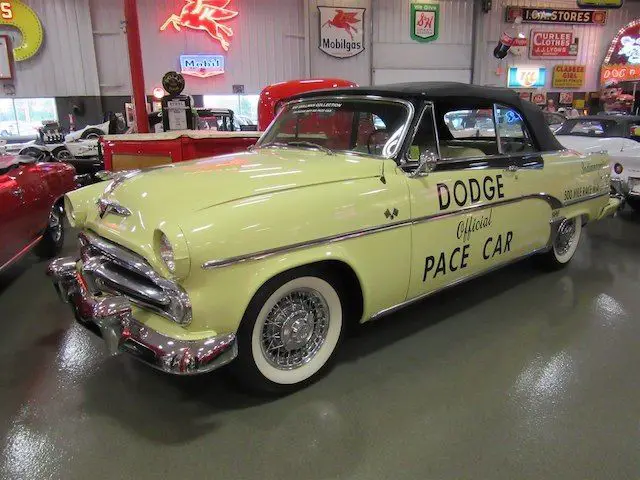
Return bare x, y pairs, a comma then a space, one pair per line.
17, 192
511, 168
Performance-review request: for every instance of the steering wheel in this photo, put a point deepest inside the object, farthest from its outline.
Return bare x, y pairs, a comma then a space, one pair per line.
377, 140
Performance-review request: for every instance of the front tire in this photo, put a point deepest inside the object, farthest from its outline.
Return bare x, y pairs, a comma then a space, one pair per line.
53, 237
289, 333
564, 245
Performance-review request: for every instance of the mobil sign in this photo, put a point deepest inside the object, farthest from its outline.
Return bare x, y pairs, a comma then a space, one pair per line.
553, 44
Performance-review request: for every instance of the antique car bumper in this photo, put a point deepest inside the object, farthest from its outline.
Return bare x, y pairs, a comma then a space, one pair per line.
111, 317
626, 187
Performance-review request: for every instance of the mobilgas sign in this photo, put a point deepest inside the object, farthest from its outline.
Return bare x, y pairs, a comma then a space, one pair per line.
341, 31
202, 66
557, 15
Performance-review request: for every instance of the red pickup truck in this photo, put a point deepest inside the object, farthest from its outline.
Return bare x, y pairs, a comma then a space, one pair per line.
31, 209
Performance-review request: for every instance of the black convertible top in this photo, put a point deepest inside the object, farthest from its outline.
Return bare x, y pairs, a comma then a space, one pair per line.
456, 93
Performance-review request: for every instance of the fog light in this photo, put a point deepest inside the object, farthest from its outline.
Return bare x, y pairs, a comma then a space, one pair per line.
618, 168
166, 252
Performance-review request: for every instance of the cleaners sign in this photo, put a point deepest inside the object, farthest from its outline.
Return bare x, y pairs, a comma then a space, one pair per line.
557, 44
568, 76
341, 31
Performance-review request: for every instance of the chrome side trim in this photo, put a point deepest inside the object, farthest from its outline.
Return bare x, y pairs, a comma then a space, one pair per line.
459, 281
218, 263
586, 199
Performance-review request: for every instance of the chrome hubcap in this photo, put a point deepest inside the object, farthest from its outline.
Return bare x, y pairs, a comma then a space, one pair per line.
55, 225
295, 329
566, 236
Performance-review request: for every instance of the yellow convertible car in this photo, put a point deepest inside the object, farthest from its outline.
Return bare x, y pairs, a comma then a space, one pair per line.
352, 204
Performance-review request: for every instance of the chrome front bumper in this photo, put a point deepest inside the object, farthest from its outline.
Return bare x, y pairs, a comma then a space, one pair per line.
110, 317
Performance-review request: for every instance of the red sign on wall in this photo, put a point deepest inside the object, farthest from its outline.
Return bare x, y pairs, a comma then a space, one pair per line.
557, 44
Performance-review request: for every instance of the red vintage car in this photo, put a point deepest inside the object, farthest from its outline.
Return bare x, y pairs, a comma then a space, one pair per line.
31, 208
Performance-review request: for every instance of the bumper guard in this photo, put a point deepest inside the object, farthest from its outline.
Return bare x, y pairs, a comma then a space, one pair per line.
110, 317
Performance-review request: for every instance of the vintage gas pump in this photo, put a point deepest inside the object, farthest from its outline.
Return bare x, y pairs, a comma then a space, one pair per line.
176, 108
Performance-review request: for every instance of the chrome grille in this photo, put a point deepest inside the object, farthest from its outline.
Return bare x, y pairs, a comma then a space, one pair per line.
112, 269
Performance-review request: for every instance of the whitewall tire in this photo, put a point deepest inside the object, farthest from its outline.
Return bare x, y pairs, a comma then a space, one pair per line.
290, 333
565, 243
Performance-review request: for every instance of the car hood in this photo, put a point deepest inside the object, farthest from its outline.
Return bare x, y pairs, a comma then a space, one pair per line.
584, 144
185, 187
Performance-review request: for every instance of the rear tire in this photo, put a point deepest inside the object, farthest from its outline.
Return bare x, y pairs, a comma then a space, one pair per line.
564, 245
62, 154
289, 333
634, 203
53, 237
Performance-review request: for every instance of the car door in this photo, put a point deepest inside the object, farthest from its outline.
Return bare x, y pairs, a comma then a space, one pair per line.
12, 236
467, 212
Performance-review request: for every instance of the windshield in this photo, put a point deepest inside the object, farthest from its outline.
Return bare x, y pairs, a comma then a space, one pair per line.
365, 126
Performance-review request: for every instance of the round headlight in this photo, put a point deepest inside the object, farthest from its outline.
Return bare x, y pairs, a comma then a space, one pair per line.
166, 252
618, 168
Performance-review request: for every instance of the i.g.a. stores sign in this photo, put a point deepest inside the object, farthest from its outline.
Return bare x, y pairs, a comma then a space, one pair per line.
341, 31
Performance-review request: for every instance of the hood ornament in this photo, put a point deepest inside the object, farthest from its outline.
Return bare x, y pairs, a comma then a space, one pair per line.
111, 206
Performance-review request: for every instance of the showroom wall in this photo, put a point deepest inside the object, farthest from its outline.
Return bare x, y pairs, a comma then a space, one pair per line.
399, 58
593, 42
65, 64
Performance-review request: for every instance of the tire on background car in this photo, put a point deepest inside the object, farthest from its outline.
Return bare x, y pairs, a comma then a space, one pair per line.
33, 152
61, 154
290, 332
53, 237
564, 245
91, 133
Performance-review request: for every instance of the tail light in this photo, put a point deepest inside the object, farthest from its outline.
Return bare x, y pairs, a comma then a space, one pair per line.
618, 168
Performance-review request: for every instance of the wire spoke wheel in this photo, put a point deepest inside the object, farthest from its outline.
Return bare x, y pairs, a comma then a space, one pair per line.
295, 329
566, 241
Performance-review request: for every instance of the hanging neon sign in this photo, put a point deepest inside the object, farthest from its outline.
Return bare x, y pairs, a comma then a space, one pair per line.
205, 15
622, 62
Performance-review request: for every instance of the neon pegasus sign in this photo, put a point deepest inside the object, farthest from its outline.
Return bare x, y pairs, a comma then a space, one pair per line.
205, 15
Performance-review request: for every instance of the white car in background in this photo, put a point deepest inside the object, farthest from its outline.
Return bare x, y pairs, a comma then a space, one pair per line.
619, 136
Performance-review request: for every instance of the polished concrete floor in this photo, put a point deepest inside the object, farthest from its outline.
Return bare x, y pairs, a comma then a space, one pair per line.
518, 375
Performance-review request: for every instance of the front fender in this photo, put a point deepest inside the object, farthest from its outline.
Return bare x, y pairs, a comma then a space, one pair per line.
381, 260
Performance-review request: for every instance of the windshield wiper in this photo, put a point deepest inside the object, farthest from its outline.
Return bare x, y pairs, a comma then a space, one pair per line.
301, 143
304, 143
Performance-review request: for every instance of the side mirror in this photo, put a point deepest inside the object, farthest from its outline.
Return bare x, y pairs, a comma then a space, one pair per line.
427, 163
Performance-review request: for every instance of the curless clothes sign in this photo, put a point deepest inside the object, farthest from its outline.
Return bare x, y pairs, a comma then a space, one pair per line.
202, 66
341, 31
18, 15
556, 15
526, 77
557, 44
568, 76
424, 21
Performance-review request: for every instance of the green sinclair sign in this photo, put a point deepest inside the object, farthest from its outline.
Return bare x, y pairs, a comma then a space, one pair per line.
424, 21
